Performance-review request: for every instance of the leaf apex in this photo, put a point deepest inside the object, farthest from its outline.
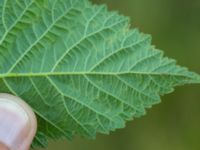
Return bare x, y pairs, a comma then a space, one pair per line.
198, 79
195, 78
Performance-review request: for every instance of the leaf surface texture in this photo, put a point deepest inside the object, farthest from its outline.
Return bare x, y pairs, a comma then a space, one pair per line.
80, 67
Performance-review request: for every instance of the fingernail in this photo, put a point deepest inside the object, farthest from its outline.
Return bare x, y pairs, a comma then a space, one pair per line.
17, 123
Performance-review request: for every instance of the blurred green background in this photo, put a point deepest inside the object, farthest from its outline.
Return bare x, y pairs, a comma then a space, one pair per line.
175, 123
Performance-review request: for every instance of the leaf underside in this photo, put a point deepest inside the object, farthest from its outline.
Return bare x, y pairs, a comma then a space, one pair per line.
80, 67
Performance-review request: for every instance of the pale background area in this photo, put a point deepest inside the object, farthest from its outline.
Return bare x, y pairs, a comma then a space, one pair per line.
175, 123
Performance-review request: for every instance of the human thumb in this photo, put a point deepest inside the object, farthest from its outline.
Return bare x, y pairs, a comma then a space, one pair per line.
17, 123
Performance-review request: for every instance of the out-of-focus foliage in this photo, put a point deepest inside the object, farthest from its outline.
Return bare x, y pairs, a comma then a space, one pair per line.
175, 123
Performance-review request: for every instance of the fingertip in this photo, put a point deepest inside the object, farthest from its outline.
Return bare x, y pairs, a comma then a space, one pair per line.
17, 123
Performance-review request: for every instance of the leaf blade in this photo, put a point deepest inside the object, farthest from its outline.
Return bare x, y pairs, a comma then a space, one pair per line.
81, 68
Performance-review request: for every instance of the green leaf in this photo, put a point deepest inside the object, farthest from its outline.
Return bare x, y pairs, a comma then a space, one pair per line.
80, 67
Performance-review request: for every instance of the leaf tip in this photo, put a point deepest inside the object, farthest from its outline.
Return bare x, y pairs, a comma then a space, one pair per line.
198, 79
195, 78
